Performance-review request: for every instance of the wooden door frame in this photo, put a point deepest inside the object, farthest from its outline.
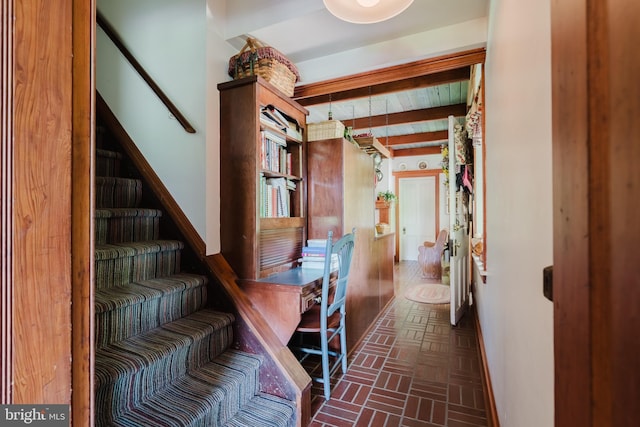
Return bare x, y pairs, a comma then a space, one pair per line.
398, 175
596, 289
83, 210
47, 125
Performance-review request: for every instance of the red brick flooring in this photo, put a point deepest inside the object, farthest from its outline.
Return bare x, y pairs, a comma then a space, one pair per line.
412, 369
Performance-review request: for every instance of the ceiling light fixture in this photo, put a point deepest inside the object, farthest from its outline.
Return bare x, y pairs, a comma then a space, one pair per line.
366, 11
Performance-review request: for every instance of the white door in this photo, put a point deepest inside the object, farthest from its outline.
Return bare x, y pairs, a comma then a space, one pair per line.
417, 211
458, 237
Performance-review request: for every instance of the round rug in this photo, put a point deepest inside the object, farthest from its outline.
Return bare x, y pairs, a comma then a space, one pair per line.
430, 293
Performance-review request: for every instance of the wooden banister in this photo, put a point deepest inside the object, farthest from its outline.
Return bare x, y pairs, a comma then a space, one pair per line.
111, 33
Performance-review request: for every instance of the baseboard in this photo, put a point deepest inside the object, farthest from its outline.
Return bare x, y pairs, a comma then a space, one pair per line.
490, 403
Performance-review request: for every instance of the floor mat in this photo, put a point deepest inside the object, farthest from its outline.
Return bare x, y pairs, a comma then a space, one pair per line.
430, 293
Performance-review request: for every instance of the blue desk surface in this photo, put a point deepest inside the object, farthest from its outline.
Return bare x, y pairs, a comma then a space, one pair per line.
296, 276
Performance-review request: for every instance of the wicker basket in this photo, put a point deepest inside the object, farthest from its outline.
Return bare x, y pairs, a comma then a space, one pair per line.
325, 130
266, 62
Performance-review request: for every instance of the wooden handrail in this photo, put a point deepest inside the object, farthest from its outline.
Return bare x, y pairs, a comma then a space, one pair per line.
111, 33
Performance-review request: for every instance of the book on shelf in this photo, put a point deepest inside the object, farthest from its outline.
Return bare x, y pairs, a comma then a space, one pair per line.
282, 121
275, 197
267, 118
273, 153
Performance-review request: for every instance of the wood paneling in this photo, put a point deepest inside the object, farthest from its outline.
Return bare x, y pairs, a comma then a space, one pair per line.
596, 182
341, 197
383, 254
41, 222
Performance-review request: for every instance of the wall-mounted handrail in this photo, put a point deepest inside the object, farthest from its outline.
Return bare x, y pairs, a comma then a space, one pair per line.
111, 33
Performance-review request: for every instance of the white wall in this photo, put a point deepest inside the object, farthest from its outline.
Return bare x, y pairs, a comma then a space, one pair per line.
218, 52
516, 320
168, 39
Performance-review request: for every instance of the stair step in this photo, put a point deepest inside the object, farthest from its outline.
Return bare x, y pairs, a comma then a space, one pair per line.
125, 311
265, 410
131, 371
112, 192
120, 264
108, 163
118, 225
223, 392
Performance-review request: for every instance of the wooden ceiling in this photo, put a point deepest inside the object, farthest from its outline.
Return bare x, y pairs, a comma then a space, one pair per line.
405, 106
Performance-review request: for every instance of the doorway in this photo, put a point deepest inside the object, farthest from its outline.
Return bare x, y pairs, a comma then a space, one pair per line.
418, 211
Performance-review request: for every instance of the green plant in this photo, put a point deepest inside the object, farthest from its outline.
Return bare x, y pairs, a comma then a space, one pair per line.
387, 196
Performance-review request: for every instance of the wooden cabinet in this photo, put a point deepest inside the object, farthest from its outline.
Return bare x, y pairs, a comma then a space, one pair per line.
342, 196
262, 179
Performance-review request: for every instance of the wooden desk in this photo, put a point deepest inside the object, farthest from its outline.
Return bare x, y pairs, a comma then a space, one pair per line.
283, 297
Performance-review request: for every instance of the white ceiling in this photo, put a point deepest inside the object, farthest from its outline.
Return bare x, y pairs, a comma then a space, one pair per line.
303, 30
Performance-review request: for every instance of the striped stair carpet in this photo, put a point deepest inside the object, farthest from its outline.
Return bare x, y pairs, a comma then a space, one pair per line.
162, 357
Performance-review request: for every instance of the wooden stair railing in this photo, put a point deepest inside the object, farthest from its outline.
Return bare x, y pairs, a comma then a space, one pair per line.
111, 33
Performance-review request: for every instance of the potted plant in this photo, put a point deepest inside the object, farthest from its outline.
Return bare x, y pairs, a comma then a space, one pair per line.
387, 196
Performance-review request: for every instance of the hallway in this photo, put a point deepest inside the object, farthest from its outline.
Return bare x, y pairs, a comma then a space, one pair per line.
412, 369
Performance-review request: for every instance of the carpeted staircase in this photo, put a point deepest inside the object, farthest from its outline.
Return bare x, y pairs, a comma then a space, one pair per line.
162, 357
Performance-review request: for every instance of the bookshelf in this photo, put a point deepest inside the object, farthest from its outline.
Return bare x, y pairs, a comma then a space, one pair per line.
262, 177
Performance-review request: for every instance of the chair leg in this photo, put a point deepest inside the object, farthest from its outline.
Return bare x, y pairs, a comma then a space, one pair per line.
326, 378
343, 345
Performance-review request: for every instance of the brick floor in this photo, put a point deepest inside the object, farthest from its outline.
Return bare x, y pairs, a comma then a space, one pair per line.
412, 369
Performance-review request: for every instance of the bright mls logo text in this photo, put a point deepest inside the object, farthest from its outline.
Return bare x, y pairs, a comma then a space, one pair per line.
42, 415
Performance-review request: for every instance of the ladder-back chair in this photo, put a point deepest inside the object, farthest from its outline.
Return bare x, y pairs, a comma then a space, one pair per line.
327, 319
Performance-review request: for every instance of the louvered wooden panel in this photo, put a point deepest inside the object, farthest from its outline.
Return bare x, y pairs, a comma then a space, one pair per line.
279, 247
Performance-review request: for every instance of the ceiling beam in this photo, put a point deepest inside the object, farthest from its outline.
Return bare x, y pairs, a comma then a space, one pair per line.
450, 76
406, 117
417, 74
414, 138
420, 151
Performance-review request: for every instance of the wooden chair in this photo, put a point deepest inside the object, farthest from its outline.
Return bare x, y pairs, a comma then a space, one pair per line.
430, 256
327, 319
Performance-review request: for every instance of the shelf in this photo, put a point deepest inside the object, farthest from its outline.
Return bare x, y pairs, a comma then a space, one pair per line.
289, 138
275, 174
259, 165
371, 145
479, 265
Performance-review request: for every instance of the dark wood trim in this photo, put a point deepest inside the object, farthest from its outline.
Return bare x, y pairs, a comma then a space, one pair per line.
487, 388
605, 388
427, 72
6, 206
437, 136
413, 116
419, 151
113, 35
82, 213
571, 238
